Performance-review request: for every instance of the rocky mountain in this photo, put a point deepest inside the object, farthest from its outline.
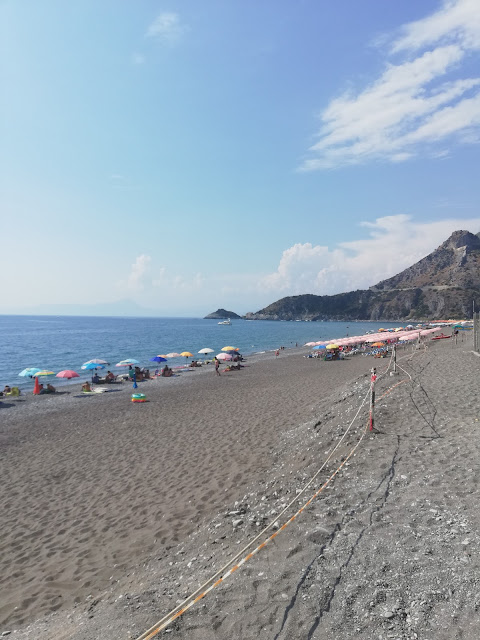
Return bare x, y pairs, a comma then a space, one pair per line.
441, 285
220, 314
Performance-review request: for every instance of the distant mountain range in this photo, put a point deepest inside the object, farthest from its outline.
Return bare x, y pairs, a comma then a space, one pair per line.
442, 285
120, 308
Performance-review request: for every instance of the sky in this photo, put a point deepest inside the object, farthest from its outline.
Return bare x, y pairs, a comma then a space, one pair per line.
175, 157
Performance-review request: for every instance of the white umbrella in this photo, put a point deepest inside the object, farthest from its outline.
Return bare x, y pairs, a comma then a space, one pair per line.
205, 351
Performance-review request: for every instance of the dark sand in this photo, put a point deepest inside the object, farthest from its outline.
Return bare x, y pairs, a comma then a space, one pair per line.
112, 512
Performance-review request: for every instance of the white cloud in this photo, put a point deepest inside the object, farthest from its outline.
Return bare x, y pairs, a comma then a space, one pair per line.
138, 272
457, 20
412, 105
166, 27
394, 243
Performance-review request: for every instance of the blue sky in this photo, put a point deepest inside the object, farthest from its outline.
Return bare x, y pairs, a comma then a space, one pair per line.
191, 155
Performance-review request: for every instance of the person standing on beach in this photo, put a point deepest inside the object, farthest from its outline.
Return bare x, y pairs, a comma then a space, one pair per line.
217, 366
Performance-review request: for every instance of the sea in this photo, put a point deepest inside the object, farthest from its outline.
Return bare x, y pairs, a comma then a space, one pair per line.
57, 343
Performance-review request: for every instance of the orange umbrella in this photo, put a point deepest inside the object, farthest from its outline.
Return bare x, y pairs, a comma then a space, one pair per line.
378, 344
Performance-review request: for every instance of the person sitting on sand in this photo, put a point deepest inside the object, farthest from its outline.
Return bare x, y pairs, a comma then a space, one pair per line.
110, 377
95, 378
86, 387
7, 389
50, 388
166, 371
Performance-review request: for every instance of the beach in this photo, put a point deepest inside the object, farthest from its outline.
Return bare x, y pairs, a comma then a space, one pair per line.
113, 512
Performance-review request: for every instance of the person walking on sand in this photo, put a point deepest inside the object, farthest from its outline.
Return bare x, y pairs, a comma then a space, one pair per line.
277, 353
217, 366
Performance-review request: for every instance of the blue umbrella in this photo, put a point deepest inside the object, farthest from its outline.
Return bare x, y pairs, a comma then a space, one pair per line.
29, 372
158, 359
89, 366
320, 346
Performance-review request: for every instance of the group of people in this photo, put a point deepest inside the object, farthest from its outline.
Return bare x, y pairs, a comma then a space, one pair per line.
10, 391
140, 374
109, 378
48, 389
231, 367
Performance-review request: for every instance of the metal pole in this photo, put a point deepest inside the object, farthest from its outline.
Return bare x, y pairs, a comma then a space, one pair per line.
372, 398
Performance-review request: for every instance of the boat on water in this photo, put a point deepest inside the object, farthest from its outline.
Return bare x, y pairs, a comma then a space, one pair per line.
226, 321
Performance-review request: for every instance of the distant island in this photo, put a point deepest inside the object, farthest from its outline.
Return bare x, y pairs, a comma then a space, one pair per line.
442, 285
220, 314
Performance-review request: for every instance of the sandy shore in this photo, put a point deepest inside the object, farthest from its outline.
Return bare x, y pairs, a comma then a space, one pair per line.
113, 511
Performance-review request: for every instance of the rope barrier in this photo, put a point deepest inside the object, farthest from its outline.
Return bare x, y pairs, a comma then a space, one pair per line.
217, 579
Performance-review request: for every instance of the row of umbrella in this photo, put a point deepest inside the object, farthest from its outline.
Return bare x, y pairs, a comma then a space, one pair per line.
96, 363
374, 340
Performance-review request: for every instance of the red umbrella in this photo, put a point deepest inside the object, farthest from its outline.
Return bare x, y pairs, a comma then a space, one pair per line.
68, 373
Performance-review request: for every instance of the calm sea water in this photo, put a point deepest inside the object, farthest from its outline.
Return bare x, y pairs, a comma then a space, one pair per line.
66, 342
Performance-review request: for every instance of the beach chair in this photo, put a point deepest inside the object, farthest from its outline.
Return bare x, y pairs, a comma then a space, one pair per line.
15, 392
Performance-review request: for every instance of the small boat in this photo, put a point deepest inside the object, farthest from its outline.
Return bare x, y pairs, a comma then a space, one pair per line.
441, 336
227, 321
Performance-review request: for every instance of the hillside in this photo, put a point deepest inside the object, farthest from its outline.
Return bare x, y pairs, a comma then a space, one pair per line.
220, 314
443, 284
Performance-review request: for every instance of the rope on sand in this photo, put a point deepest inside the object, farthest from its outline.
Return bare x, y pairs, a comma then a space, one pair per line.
222, 574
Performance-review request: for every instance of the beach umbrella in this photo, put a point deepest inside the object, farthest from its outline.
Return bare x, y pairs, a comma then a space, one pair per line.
129, 361
378, 344
229, 349
187, 354
43, 372
319, 346
96, 361
68, 373
90, 366
174, 354
162, 355
224, 356
158, 359
332, 346
122, 364
29, 372
309, 344
205, 351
